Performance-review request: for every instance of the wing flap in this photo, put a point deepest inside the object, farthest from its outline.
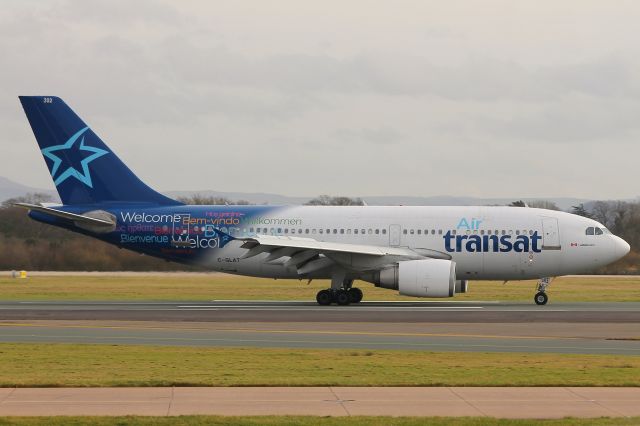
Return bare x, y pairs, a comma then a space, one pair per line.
307, 255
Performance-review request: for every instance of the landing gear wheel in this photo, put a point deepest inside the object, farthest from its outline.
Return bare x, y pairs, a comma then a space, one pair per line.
342, 297
541, 298
355, 295
324, 297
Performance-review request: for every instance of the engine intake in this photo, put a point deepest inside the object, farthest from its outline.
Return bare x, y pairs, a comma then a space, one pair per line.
419, 278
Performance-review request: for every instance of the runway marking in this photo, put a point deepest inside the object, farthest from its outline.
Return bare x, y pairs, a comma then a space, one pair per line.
318, 332
325, 308
329, 342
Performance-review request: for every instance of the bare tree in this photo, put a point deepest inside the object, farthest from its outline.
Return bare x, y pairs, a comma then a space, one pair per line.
326, 200
32, 198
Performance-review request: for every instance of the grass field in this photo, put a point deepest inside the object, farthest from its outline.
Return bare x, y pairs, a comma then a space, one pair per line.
48, 365
219, 286
310, 421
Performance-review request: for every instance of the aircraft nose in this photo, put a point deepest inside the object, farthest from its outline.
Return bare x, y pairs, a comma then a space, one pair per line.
622, 247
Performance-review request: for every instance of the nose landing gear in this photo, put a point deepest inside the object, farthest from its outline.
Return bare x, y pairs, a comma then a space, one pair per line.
541, 297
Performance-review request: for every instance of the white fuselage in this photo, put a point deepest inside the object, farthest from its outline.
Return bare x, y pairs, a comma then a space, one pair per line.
553, 243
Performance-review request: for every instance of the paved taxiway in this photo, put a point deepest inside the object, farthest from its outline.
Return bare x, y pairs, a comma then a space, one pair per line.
584, 328
372, 312
511, 402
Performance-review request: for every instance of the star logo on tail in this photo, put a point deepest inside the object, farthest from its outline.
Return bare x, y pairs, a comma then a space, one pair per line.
69, 151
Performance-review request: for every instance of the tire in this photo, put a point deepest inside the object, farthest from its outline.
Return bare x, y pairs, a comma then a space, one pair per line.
355, 294
324, 297
342, 297
541, 298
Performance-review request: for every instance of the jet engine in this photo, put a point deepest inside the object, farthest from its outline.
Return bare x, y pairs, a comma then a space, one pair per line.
419, 278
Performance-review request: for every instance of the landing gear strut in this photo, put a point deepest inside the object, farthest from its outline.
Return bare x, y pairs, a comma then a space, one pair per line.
341, 292
541, 297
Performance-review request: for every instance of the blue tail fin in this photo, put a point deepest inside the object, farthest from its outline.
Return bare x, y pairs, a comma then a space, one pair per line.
83, 168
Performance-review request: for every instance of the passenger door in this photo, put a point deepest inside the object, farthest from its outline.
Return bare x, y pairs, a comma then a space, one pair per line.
550, 234
394, 235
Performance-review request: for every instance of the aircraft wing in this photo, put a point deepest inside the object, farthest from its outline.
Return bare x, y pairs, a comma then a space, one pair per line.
307, 255
78, 218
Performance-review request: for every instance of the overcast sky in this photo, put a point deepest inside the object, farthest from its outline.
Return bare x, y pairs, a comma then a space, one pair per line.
479, 98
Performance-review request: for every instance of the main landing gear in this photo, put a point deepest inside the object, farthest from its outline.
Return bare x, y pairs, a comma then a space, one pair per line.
341, 291
541, 297
340, 297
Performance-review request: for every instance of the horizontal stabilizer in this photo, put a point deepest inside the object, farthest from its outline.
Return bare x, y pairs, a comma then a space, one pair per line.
78, 218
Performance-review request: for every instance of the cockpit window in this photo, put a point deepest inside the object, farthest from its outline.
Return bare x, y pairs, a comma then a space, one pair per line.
590, 230
606, 231
599, 231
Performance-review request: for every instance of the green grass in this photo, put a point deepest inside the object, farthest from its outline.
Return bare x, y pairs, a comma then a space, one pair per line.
67, 365
218, 286
310, 420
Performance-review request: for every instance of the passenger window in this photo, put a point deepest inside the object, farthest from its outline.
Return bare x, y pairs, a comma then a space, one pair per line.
439, 232
355, 231
453, 232
342, 231
335, 231
404, 231
598, 231
306, 231
384, 232
590, 231
411, 232
482, 232
328, 231
279, 230
419, 231
320, 231
377, 231
370, 231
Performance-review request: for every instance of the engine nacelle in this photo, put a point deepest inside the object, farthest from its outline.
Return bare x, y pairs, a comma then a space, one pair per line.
462, 286
419, 278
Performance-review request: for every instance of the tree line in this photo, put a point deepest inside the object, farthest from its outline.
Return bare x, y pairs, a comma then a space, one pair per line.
31, 245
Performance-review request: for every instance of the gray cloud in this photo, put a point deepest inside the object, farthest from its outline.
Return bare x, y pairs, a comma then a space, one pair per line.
411, 98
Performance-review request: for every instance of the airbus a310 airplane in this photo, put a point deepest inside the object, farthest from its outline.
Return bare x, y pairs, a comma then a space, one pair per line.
419, 251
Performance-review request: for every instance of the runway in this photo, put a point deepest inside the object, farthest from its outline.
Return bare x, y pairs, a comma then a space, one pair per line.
578, 328
371, 312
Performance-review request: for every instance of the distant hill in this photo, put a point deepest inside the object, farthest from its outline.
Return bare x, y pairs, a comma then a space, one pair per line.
10, 189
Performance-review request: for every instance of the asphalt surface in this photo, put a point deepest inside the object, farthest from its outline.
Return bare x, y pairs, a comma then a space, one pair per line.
331, 336
371, 312
581, 328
